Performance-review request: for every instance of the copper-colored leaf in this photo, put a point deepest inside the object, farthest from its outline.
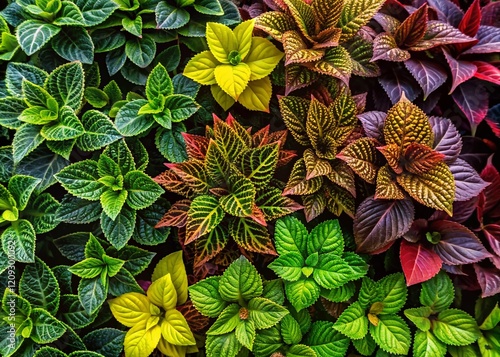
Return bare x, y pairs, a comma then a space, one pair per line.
303, 15
315, 166
314, 204
297, 51
176, 216
339, 200
251, 236
420, 158
196, 321
209, 245
343, 176
196, 146
413, 28
274, 205
361, 156
275, 23
335, 63
298, 184
387, 187
260, 137
327, 38
297, 77
392, 154
319, 122
326, 12
173, 183
385, 48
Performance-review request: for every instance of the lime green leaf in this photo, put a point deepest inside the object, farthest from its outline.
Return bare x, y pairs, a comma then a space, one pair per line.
455, 327
227, 321
353, 322
245, 333
201, 68
88, 268
131, 309
325, 340
325, 238
288, 266
169, 17
333, 272
302, 293
225, 345
262, 58
239, 202
488, 343
141, 342
175, 329
356, 14
174, 265
265, 313
46, 328
33, 34
257, 95
427, 345
291, 236
221, 41
393, 293
39, 286
65, 84
420, 317
22, 236
240, 281
340, 294
133, 26
232, 79
67, 127
80, 179
437, 293
159, 83
391, 334
112, 202
206, 298
290, 330
35, 95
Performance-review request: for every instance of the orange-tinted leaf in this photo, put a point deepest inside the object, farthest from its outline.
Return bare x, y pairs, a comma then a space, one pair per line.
420, 158
315, 166
196, 146
298, 184
278, 136
242, 133
392, 154
173, 183
258, 216
327, 38
296, 51
413, 28
387, 188
361, 156
176, 216
251, 236
343, 176
336, 63
319, 123
196, 321
326, 12
314, 204
285, 156
275, 23
260, 137
193, 173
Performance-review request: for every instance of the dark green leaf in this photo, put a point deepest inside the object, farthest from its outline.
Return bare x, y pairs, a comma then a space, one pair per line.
39, 286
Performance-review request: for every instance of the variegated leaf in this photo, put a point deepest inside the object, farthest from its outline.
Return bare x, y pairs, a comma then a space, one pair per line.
196, 146
294, 113
275, 23
193, 173
241, 198
339, 200
361, 53
251, 236
361, 156
274, 205
173, 183
297, 77
315, 166
393, 155
435, 188
303, 15
387, 188
176, 216
327, 38
343, 176
242, 133
355, 14
413, 28
258, 215
228, 140
314, 204
296, 50
335, 63
209, 245
385, 48
298, 184
258, 164
204, 214
319, 122
439, 34
420, 158
326, 12
216, 164
344, 110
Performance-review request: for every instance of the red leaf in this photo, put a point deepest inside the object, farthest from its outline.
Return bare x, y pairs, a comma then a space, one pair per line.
487, 72
472, 99
492, 234
467, 181
490, 197
489, 40
196, 146
489, 280
419, 263
447, 139
429, 75
421, 158
378, 222
258, 216
461, 71
413, 28
471, 20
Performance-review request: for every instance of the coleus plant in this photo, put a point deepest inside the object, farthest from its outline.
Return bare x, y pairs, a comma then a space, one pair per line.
117, 184
323, 181
319, 38
236, 67
23, 216
406, 154
487, 314
242, 308
314, 264
374, 317
227, 182
153, 318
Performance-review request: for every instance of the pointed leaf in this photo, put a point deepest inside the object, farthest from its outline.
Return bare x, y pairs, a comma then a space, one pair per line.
298, 184
467, 181
204, 214
429, 75
251, 236
274, 205
356, 14
419, 263
385, 48
294, 112
427, 345
240, 280
391, 334
263, 58
302, 293
456, 327
361, 157
33, 34
461, 70
275, 23
352, 322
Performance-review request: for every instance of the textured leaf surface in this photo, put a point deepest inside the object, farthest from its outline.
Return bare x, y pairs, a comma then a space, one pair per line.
361, 156
391, 334
204, 214
455, 327
240, 279
352, 322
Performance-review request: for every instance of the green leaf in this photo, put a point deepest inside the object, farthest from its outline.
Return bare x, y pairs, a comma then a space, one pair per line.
42, 213
245, 333
340, 294
106, 341
206, 297
10, 110
325, 341
99, 131
73, 312
62, 148
120, 153
241, 198
66, 84
26, 139
39, 286
46, 328
302, 293
265, 313
67, 127
128, 120
141, 51
251, 236
204, 214
78, 211
288, 266
171, 144
21, 187
325, 238
427, 345
159, 83
352, 322
169, 17
227, 321
240, 281
119, 230
259, 164
70, 15
393, 293
181, 106
437, 293
145, 231
208, 7
123, 282
133, 26
80, 179
17, 72
73, 43
455, 327
224, 345
92, 294
33, 34
88, 268
365, 346
333, 271
301, 351
96, 11
142, 190
290, 330
21, 236
49, 352
291, 236
22, 305
356, 14
420, 317
391, 334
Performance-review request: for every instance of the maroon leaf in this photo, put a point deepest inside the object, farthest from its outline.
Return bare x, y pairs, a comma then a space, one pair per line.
419, 263
373, 123
491, 14
447, 139
385, 48
396, 82
440, 34
492, 234
447, 11
489, 40
487, 72
461, 71
489, 280
472, 99
458, 245
471, 20
429, 75
490, 197
462, 210
389, 24
378, 222
413, 28
467, 181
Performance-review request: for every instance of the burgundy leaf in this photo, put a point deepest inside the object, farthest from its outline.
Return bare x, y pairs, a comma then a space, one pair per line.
489, 280
447, 139
458, 245
472, 99
429, 75
461, 71
417, 229
494, 126
420, 158
487, 72
489, 40
360, 100
467, 181
462, 210
447, 11
440, 34
396, 82
419, 263
413, 28
385, 48
491, 14
471, 20
490, 197
453, 269
373, 123
492, 234
378, 222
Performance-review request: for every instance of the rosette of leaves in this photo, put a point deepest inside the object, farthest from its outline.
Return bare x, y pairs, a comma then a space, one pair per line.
236, 66
374, 317
242, 308
319, 38
323, 181
438, 326
9, 47
63, 23
162, 108
314, 264
23, 216
227, 182
487, 314
153, 318
119, 188
406, 154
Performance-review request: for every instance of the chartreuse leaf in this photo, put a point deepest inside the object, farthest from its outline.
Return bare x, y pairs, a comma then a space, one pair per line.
391, 334
324, 340
174, 265
162, 293
21, 187
65, 84
140, 341
325, 238
426, 344
68, 126
223, 345
201, 68
227, 321
290, 330
455, 327
245, 333
302, 293
175, 329
132, 308
353, 322
206, 297
221, 41
233, 79
392, 293
113, 201
437, 293
88, 268
288, 266
301, 351
265, 313
263, 58
420, 317
142, 190
240, 281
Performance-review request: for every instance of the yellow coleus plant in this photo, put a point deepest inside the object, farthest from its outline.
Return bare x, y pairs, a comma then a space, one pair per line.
153, 319
236, 66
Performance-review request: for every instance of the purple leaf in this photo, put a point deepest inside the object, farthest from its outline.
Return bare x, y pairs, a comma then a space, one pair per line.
489, 40
373, 123
458, 245
461, 71
467, 181
419, 263
447, 11
462, 210
492, 234
453, 269
447, 139
428, 74
440, 34
490, 14
472, 99
489, 280
378, 222
396, 82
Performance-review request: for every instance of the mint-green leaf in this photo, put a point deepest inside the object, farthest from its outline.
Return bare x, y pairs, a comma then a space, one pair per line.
33, 34
159, 83
65, 84
352, 322
17, 72
240, 281
288, 266
26, 139
80, 179
92, 294
326, 341
39, 286
142, 190
97, 11
46, 328
169, 17
455, 327
302, 293
391, 334
74, 44
427, 345
20, 235
119, 230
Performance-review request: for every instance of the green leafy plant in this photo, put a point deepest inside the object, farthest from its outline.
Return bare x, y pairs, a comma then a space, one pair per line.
153, 319
315, 264
236, 66
9, 47
118, 183
238, 302
24, 215
228, 186
373, 317
487, 315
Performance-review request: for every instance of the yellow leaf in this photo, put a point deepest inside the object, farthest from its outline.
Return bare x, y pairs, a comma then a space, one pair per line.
174, 265
224, 100
257, 95
221, 41
263, 57
243, 33
162, 293
201, 68
175, 329
152, 321
232, 79
140, 342
171, 350
131, 309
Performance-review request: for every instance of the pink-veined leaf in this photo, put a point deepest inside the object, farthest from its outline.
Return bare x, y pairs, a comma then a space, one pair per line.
489, 280
461, 71
378, 222
419, 263
492, 234
447, 139
196, 146
489, 40
472, 99
487, 72
467, 181
429, 75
